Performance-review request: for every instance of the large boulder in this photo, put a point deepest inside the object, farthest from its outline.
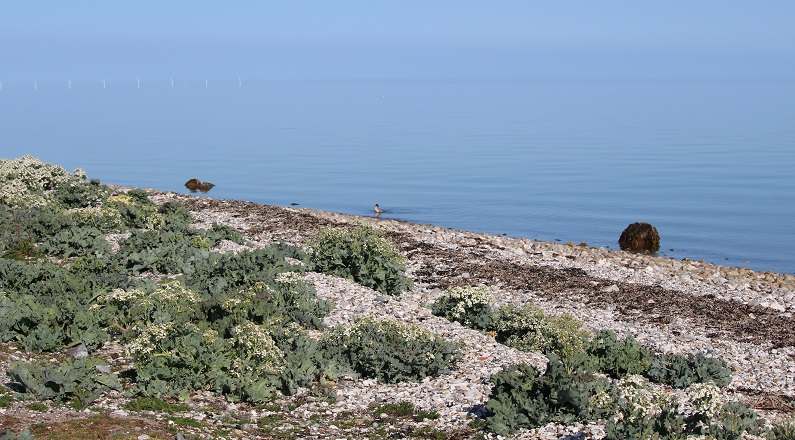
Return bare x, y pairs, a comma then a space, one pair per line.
640, 237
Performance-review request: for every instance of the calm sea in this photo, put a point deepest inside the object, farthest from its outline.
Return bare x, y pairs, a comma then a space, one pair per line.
709, 163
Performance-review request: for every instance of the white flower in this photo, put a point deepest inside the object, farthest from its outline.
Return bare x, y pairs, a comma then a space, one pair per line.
703, 399
637, 398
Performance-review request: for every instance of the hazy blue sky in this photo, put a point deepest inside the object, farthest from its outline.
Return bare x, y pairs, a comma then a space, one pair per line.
712, 39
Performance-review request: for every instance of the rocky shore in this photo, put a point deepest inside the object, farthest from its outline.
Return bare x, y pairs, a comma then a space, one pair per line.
744, 317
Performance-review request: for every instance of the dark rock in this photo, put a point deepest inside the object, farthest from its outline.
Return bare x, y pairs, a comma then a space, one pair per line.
197, 185
640, 237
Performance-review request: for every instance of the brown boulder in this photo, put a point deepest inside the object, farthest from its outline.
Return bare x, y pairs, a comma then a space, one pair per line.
197, 185
640, 237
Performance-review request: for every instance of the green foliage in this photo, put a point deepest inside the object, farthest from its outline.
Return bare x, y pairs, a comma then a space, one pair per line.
44, 306
521, 398
733, 421
468, 305
78, 193
156, 405
617, 358
78, 381
20, 249
667, 425
782, 431
244, 342
527, 328
681, 371
220, 272
10, 435
390, 351
76, 241
136, 210
171, 250
160, 251
360, 254
5, 399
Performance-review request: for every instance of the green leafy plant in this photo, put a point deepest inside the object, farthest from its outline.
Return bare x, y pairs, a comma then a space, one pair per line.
390, 351
360, 254
619, 358
782, 431
681, 371
79, 381
79, 193
522, 398
156, 405
527, 328
44, 306
468, 305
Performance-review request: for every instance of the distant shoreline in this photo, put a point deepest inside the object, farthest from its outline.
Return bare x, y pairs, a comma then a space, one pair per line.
755, 288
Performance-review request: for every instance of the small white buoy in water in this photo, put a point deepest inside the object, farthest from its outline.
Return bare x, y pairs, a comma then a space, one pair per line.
377, 209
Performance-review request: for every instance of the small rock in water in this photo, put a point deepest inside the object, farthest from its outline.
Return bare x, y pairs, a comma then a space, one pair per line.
640, 237
197, 185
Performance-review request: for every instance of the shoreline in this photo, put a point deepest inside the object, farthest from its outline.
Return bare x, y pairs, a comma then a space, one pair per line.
620, 265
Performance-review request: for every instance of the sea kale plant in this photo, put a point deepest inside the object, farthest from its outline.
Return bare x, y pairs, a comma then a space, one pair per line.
521, 397
619, 358
471, 306
79, 381
681, 371
390, 351
361, 254
528, 328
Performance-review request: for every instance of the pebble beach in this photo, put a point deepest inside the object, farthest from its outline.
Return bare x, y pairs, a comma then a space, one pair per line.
674, 306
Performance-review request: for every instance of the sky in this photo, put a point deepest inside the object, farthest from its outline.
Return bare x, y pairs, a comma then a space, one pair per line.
407, 39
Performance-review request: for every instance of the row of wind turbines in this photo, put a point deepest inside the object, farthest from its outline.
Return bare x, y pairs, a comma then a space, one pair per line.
139, 83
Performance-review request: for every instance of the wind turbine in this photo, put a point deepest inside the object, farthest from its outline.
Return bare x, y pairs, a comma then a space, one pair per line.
138, 80
35, 84
69, 84
1, 86
206, 83
172, 82
239, 82
104, 84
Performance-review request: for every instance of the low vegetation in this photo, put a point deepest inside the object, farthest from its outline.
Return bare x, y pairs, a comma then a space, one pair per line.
391, 351
360, 254
235, 323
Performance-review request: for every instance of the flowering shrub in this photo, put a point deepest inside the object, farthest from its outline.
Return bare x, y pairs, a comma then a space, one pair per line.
27, 181
468, 305
527, 328
702, 414
360, 254
103, 218
390, 351
136, 210
234, 343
